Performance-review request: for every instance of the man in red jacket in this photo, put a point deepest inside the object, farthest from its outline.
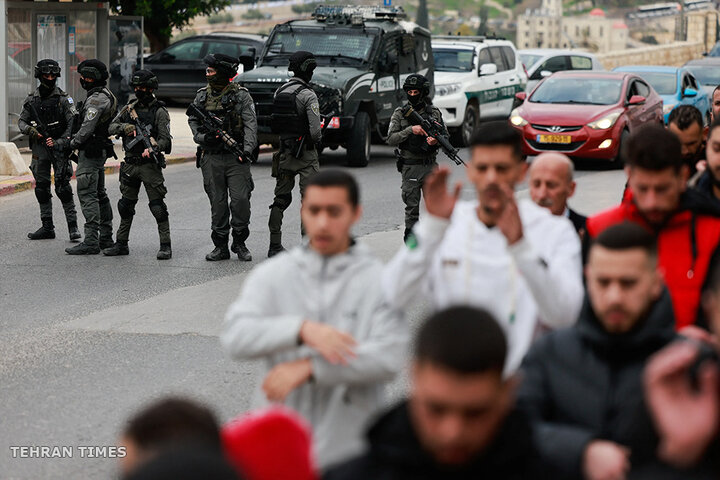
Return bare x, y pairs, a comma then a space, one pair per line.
687, 225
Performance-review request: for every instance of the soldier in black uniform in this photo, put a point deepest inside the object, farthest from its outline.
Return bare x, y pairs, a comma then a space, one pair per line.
222, 170
51, 109
94, 147
139, 167
295, 116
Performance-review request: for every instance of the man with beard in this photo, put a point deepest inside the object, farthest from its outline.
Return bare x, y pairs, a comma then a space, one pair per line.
708, 182
94, 147
223, 171
687, 123
684, 222
582, 386
139, 167
53, 108
417, 151
512, 258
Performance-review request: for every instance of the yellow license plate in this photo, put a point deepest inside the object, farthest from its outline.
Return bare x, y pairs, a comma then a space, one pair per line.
554, 139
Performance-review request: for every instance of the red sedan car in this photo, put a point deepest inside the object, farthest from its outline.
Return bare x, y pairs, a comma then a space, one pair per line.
585, 114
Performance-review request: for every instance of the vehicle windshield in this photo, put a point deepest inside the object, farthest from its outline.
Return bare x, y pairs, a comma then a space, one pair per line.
706, 75
587, 91
529, 60
453, 60
337, 48
663, 83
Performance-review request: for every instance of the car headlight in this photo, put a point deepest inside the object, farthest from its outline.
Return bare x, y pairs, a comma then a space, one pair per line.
667, 109
447, 89
605, 122
516, 119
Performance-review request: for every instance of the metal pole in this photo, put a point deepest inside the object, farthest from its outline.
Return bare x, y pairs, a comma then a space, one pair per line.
3, 71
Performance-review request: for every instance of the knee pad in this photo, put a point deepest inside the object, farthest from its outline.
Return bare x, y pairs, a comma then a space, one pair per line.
126, 208
282, 202
159, 210
42, 192
64, 192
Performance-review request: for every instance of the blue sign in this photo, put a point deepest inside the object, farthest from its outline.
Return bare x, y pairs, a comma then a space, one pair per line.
387, 3
71, 40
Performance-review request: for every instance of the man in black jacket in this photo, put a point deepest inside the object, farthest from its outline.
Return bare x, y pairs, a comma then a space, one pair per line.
583, 386
460, 421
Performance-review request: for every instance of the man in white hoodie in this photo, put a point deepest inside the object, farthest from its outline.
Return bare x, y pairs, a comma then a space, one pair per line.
512, 258
318, 316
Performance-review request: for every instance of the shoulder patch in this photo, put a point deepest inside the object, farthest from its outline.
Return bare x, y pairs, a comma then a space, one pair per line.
70, 100
315, 109
91, 113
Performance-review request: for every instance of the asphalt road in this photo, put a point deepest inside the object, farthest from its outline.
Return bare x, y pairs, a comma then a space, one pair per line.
85, 341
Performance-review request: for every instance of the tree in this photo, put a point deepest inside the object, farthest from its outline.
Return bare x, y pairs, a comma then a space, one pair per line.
422, 14
484, 13
161, 16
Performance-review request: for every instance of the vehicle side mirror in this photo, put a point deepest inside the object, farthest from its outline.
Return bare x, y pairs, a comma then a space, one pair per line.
247, 60
521, 96
545, 73
488, 69
636, 100
690, 92
166, 57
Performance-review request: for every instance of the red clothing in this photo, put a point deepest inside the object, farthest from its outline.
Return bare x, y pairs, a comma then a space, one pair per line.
686, 244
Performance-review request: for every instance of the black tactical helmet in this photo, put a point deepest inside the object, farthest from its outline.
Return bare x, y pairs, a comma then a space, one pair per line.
46, 66
417, 82
225, 65
144, 78
302, 62
94, 69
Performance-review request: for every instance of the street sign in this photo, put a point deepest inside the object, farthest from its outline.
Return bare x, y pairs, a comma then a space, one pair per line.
387, 3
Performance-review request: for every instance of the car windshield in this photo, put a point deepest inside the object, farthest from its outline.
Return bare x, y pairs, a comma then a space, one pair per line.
453, 60
588, 91
706, 75
336, 48
663, 83
529, 60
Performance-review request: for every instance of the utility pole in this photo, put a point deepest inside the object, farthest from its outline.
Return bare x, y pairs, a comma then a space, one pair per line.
422, 14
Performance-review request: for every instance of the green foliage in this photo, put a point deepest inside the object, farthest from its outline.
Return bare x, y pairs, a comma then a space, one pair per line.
253, 15
188, 32
220, 18
303, 8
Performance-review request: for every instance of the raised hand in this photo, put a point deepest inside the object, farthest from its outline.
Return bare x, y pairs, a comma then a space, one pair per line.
509, 221
438, 201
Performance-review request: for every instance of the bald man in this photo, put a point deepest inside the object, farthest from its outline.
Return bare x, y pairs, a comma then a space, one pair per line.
551, 184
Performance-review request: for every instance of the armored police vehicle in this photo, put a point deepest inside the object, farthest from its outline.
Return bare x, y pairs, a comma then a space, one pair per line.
364, 53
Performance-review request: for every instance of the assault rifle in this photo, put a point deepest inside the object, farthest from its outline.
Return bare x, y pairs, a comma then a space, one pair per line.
324, 121
60, 156
143, 133
214, 125
433, 129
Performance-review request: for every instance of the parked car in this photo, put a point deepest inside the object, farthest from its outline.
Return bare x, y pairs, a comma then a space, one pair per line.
714, 52
706, 72
180, 69
676, 86
476, 78
543, 62
585, 114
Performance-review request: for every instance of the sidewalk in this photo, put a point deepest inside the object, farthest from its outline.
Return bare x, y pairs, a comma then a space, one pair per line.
183, 151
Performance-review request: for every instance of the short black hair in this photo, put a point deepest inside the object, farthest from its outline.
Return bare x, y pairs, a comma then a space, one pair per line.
186, 464
654, 148
625, 236
713, 94
462, 339
335, 177
713, 126
498, 133
173, 421
684, 116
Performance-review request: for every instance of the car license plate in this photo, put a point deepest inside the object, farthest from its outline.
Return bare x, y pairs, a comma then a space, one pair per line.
554, 138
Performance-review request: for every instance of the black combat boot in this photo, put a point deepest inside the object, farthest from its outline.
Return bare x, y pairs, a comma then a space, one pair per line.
83, 248
118, 248
165, 252
106, 242
73, 231
274, 249
46, 232
242, 252
219, 253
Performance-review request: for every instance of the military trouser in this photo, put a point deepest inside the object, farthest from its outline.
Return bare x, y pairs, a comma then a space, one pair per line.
94, 202
413, 177
223, 173
288, 168
132, 176
40, 168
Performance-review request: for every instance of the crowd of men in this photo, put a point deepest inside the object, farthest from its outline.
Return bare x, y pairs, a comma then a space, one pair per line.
559, 346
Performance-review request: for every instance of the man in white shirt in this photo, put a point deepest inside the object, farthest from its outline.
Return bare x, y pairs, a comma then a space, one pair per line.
513, 258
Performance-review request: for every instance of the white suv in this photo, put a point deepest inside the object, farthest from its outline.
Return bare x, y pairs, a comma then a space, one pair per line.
476, 78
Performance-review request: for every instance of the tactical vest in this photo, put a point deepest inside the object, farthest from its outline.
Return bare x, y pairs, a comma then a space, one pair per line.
418, 143
223, 105
146, 116
50, 113
285, 119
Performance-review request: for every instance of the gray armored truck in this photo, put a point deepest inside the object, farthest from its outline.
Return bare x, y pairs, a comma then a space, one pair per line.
363, 53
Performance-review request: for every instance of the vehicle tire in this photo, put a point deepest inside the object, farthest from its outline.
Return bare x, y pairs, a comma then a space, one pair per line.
358, 144
471, 121
618, 161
